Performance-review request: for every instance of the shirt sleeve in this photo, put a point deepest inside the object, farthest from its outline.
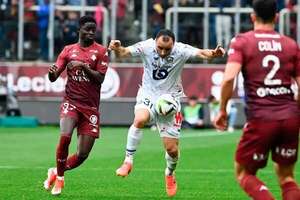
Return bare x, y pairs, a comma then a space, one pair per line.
235, 52
188, 50
62, 60
138, 48
103, 63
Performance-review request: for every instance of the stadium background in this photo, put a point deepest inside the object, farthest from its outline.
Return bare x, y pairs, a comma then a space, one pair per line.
33, 32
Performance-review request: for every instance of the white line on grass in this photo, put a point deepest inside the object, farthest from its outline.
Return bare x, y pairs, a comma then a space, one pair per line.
205, 134
218, 171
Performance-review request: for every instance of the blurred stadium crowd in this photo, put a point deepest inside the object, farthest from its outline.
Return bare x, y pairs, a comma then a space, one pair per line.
190, 26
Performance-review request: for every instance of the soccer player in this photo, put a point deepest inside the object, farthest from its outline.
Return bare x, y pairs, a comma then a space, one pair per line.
268, 62
86, 64
163, 60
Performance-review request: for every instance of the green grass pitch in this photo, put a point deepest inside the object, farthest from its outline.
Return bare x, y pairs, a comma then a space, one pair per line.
205, 170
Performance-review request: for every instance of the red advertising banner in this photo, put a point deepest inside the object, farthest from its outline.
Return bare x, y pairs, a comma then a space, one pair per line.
122, 80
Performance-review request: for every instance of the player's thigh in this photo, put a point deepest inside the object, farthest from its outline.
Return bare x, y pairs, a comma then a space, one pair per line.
144, 108
255, 144
88, 122
68, 117
285, 173
285, 150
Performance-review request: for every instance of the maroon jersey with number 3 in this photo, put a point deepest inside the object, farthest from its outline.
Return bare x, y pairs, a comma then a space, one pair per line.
80, 89
269, 62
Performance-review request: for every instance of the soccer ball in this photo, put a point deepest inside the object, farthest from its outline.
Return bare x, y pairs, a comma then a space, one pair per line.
166, 105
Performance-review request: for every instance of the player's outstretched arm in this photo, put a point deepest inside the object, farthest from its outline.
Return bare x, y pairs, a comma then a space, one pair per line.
211, 53
53, 73
116, 46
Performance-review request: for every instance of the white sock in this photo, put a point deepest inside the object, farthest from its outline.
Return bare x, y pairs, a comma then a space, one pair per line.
171, 164
133, 140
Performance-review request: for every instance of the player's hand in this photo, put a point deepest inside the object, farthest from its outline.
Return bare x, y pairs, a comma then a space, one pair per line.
218, 51
53, 68
220, 122
75, 64
114, 45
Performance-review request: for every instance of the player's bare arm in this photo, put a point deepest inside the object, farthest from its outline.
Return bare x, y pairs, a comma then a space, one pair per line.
92, 74
297, 79
53, 73
231, 71
211, 53
116, 46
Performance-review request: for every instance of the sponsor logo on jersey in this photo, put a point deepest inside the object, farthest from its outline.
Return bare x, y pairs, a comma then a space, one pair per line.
265, 91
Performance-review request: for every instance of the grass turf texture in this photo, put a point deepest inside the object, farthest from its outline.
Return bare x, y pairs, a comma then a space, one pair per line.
205, 170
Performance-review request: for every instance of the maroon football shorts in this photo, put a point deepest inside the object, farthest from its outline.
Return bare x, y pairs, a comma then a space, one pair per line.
260, 137
87, 118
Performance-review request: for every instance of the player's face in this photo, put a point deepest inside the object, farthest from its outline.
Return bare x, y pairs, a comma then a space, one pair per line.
164, 45
88, 31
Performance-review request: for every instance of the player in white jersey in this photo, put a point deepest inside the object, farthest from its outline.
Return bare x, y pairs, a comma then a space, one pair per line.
163, 61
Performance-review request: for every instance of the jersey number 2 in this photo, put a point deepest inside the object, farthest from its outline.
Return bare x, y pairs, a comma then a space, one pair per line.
276, 65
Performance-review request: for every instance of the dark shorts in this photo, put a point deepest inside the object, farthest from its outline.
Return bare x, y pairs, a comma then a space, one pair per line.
87, 118
261, 137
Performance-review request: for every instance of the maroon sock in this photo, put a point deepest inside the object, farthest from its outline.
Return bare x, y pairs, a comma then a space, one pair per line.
74, 161
290, 191
255, 188
62, 151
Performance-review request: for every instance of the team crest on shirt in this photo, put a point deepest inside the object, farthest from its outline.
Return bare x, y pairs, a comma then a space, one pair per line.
93, 119
93, 57
170, 59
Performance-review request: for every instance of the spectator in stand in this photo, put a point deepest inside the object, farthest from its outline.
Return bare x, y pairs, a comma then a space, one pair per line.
43, 21
193, 115
71, 28
58, 31
157, 15
223, 23
214, 106
74, 2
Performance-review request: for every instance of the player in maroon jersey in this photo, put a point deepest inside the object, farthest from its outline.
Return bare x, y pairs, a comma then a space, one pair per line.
268, 62
86, 64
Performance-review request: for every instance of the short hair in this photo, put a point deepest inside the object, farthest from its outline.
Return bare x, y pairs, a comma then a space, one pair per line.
85, 19
165, 32
265, 9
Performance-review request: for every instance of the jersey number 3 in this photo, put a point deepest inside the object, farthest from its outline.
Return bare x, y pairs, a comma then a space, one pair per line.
276, 65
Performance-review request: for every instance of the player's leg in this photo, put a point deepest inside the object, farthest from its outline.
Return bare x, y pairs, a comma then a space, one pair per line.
252, 154
135, 133
169, 130
250, 183
67, 125
284, 155
171, 156
287, 182
84, 147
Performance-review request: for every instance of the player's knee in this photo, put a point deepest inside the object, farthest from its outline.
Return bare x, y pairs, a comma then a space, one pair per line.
172, 150
284, 173
82, 155
140, 121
